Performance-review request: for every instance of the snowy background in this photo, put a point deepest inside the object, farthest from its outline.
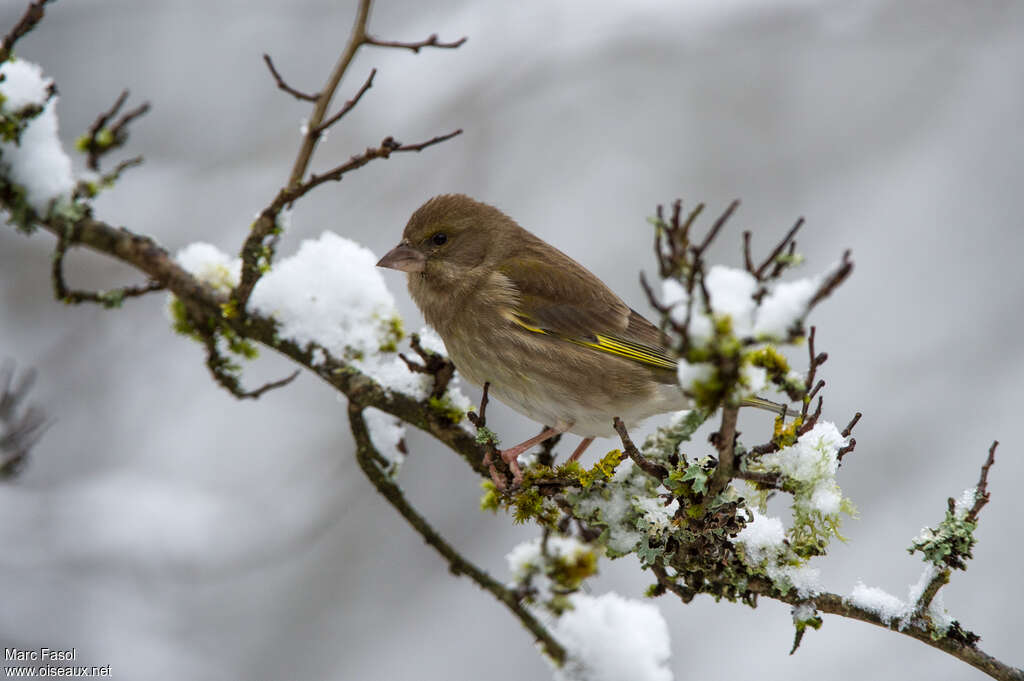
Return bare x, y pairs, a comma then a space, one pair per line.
172, 532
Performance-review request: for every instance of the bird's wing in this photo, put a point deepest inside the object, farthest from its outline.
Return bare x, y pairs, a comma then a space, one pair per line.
557, 296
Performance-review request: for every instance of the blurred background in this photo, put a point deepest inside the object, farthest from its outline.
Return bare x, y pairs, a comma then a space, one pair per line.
172, 532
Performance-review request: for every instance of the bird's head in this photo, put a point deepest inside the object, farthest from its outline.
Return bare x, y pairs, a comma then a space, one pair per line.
450, 235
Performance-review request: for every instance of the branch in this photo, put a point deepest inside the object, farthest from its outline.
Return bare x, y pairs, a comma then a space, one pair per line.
33, 15
19, 432
285, 86
108, 299
438, 366
388, 146
203, 302
655, 470
837, 605
431, 41
725, 441
942, 572
365, 455
349, 105
100, 139
225, 372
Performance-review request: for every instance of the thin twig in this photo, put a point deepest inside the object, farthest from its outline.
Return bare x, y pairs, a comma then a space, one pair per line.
717, 226
349, 105
431, 41
19, 431
849, 426
786, 240
108, 299
458, 564
254, 248
101, 139
33, 15
981, 494
282, 85
223, 372
653, 469
434, 364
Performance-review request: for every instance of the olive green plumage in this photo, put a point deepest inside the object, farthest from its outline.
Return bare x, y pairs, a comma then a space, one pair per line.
552, 340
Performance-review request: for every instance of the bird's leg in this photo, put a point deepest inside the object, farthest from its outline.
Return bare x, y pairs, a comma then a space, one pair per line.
512, 453
582, 448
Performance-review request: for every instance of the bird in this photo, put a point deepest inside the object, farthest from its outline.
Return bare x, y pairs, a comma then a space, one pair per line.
547, 336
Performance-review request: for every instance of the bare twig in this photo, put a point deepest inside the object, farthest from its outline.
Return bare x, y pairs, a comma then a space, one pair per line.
108, 299
962, 646
19, 431
653, 469
786, 241
981, 494
431, 41
350, 104
224, 372
438, 366
255, 251
100, 139
282, 85
458, 564
717, 226
849, 426
833, 280
32, 16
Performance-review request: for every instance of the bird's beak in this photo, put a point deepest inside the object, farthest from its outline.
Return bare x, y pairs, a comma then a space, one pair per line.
405, 258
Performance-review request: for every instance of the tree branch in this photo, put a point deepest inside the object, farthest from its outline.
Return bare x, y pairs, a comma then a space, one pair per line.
837, 605
365, 455
282, 85
33, 15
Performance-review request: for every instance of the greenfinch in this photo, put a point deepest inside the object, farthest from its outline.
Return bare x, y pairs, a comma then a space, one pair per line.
550, 338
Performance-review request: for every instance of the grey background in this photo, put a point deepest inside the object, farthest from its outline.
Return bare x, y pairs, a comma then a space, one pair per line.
172, 532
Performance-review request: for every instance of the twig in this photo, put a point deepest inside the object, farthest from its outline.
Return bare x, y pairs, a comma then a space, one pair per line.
349, 105
653, 469
458, 564
431, 41
717, 226
265, 225
438, 366
486, 437
282, 85
957, 646
257, 252
684, 593
20, 431
849, 426
224, 372
786, 240
100, 139
726, 444
108, 299
832, 281
32, 16
981, 494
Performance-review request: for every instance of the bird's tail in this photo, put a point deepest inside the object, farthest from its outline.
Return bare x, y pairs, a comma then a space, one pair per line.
768, 405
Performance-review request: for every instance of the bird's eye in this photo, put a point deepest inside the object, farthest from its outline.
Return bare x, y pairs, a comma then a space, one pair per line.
439, 239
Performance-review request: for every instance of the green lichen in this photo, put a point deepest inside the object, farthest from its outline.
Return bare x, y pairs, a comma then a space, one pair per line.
950, 544
485, 435
446, 408
392, 332
569, 572
491, 498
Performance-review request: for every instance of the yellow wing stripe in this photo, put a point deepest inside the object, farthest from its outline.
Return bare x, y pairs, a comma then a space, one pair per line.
613, 346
